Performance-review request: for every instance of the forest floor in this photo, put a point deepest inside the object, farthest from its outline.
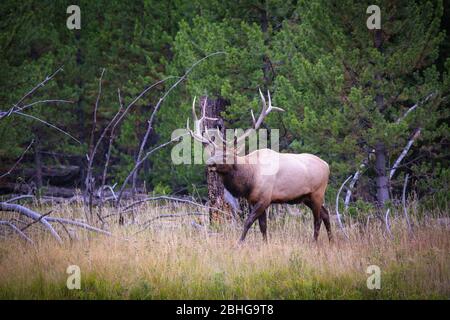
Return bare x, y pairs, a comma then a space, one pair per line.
179, 258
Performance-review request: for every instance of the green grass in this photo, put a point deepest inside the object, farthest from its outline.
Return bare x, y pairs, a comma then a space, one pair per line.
172, 260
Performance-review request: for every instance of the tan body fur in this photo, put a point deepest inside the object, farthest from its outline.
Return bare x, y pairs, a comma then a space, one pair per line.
265, 176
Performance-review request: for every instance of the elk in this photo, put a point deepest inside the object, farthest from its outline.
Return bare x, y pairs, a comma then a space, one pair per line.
264, 176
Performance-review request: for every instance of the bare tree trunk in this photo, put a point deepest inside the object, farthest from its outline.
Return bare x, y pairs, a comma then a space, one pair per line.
353, 182
382, 182
381, 177
38, 163
80, 116
215, 186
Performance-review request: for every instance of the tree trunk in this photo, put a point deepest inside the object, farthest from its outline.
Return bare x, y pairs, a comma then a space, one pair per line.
382, 182
38, 163
215, 186
80, 109
381, 178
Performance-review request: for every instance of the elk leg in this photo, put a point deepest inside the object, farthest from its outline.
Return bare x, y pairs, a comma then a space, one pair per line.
317, 222
262, 219
257, 210
326, 221
316, 209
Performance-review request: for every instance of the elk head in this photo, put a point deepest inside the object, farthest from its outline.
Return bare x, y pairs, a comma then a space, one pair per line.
224, 152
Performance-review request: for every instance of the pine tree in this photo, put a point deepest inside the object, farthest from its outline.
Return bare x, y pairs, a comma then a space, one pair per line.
345, 86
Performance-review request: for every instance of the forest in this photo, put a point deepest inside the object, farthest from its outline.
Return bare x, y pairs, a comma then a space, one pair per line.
87, 117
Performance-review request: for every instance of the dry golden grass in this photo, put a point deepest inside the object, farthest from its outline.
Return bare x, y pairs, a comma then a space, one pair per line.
172, 259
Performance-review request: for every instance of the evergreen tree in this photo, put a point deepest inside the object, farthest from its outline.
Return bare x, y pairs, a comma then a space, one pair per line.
345, 86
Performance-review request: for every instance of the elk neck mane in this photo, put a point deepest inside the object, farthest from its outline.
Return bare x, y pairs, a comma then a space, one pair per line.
238, 179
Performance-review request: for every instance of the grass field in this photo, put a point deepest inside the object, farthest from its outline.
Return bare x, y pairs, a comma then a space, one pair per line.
175, 258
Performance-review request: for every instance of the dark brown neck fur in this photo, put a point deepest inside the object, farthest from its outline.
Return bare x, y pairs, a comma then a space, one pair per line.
237, 178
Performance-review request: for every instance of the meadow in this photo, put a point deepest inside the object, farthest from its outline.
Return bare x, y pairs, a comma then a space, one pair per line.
182, 257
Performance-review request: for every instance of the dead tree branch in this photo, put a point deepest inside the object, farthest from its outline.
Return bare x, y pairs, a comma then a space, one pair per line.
147, 223
33, 90
127, 208
139, 158
37, 220
17, 108
386, 221
17, 230
113, 124
44, 220
43, 102
404, 152
411, 109
357, 174
89, 181
48, 124
31, 214
18, 160
79, 224
25, 196
139, 163
355, 178
65, 229
337, 207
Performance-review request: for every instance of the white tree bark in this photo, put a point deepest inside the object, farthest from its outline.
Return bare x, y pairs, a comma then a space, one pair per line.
403, 153
44, 220
400, 119
337, 207
31, 214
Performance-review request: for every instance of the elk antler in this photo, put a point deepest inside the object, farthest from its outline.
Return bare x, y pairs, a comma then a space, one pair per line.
208, 140
266, 109
198, 123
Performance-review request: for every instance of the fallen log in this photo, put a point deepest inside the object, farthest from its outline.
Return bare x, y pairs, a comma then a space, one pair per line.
58, 194
31, 214
58, 175
51, 191
15, 199
78, 224
44, 220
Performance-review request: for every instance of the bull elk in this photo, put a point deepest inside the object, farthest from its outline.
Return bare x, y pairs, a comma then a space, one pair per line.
264, 176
